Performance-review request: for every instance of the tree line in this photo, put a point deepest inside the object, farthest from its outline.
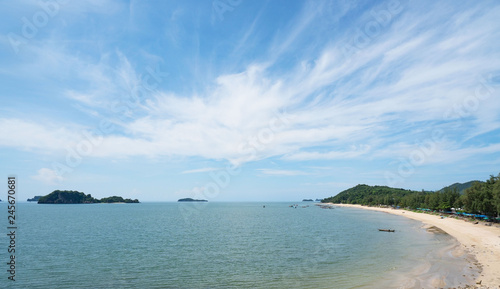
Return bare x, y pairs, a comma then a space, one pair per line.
480, 198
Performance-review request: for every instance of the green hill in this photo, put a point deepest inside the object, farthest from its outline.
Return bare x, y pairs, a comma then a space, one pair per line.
116, 199
75, 197
386, 196
190, 200
460, 187
34, 199
369, 195
478, 197
67, 197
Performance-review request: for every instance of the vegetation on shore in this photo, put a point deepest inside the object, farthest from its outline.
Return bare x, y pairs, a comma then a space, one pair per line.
478, 198
75, 197
460, 187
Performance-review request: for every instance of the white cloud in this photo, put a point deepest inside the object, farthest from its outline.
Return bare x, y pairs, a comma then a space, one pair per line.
45, 137
355, 152
272, 172
47, 176
401, 83
441, 152
202, 170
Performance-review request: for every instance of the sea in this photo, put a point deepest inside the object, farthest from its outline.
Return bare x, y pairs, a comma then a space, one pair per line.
218, 245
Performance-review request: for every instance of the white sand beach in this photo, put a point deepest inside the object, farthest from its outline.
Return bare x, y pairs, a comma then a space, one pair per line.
480, 240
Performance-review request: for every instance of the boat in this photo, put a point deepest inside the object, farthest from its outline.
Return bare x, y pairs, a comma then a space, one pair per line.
387, 230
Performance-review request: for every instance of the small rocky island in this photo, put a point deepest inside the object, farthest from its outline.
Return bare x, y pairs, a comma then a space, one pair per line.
75, 197
34, 199
191, 200
307, 200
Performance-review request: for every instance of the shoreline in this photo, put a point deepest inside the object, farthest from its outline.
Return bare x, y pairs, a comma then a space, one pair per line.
483, 242
446, 266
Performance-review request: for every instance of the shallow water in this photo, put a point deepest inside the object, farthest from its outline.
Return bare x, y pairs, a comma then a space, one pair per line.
216, 245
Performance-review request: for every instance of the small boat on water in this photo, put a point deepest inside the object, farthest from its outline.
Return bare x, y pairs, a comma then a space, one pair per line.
387, 230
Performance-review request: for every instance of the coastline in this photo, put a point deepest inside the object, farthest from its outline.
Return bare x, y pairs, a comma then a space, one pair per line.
483, 242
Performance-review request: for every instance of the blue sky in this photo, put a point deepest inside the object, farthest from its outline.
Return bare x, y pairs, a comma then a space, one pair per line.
236, 100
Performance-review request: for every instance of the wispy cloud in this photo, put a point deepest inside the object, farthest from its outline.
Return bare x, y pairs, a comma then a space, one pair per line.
355, 152
202, 170
337, 102
45, 138
48, 177
272, 172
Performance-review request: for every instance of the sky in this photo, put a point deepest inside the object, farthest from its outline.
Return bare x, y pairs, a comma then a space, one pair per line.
237, 100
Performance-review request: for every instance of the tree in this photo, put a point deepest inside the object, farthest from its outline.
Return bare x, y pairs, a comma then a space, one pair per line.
482, 198
496, 195
479, 198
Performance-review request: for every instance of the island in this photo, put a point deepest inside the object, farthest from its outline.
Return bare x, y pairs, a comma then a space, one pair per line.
307, 200
116, 199
75, 197
34, 199
191, 200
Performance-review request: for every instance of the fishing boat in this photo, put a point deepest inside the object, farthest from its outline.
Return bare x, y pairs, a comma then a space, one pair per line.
387, 230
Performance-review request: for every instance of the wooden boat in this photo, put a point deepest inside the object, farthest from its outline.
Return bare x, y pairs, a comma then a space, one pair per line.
387, 230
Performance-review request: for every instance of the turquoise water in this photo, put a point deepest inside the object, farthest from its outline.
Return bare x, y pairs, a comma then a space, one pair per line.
208, 245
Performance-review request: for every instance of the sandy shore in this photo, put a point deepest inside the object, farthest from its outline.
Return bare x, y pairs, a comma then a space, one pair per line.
480, 240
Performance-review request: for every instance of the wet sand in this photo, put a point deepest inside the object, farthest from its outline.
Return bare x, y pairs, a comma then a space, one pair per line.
478, 243
446, 267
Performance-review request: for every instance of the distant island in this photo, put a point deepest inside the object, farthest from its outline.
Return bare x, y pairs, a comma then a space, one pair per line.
34, 199
116, 199
75, 197
191, 200
307, 200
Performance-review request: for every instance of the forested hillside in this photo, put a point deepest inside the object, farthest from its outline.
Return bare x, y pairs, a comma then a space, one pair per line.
461, 187
480, 198
75, 197
370, 195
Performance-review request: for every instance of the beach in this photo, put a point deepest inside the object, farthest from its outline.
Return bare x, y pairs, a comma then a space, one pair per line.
483, 242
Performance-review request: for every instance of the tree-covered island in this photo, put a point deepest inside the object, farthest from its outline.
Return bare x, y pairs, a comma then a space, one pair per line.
34, 199
75, 197
190, 200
